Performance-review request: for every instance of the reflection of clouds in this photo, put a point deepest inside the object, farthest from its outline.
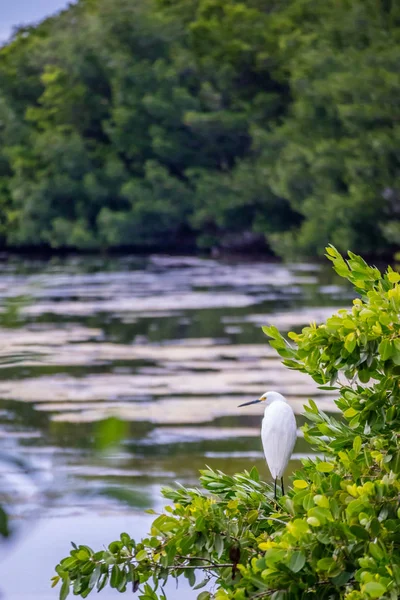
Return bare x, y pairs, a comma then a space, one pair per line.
293, 318
175, 411
174, 435
185, 382
45, 337
188, 372
155, 304
24, 483
180, 396
164, 285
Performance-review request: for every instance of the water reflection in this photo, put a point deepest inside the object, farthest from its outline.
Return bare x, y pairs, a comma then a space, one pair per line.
170, 344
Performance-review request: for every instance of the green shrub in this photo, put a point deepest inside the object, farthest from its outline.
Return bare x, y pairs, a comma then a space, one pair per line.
336, 534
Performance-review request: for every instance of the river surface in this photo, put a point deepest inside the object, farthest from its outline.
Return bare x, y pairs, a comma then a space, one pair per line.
169, 345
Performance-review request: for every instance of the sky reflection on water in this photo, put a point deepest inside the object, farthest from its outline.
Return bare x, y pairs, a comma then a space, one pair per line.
171, 345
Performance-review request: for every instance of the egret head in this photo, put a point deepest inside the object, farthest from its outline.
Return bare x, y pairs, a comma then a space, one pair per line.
267, 398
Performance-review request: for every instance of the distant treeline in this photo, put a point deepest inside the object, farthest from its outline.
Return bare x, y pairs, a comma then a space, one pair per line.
141, 122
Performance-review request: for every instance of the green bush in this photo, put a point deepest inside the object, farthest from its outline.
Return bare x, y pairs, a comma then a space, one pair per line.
124, 121
336, 533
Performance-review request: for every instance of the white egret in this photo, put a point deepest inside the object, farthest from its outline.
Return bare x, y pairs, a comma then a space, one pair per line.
278, 433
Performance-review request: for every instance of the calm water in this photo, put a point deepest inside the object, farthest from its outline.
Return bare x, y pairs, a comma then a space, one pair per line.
171, 345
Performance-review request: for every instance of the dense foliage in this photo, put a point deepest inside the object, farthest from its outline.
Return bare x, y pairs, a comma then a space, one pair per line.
336, 533
158, 122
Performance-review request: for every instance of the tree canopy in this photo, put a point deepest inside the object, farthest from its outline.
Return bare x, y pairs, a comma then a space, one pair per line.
336, 533
157, 122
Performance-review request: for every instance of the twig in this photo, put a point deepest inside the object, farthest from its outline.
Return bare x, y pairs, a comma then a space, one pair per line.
212, 565
211, 562
263, 594
277, 520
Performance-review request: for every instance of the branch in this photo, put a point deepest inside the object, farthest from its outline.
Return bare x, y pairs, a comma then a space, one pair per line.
211, 562
212, 565
277, 520
264, 594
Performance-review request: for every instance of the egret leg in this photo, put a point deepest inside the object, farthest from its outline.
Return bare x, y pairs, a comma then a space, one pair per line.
275, 488
283, 490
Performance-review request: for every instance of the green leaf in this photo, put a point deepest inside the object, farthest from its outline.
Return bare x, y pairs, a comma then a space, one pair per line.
314, 521
202, 583
254, 474
396, 573
342, 578
376, 551
355, 421
374, 589
364, 375
95, 576
331, 251
218, 545
321, 501
350, 412
339, 263
110, 432
325, 467
297, 561
272, 332
386, 349
357, 442
395, 463
359, 532
190, 576
375, 527
252, 516
328, 387
4, 525
114, 547
115, 576
300, 484
312, 406
308, 501
354, 507
298, 527
322, 514
102, 582
324, 564
141, 555
274, 555
393, 277
350, 342
204, 596
64, 591
125, 539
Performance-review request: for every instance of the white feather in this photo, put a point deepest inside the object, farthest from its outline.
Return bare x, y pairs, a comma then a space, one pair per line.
278, 433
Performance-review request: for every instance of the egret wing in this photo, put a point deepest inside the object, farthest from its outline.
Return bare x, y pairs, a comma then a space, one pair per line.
278, 435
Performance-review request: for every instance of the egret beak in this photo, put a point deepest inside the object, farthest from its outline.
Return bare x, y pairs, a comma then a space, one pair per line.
251, 402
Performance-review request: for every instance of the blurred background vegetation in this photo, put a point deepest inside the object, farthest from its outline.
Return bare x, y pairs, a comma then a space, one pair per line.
203, 123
